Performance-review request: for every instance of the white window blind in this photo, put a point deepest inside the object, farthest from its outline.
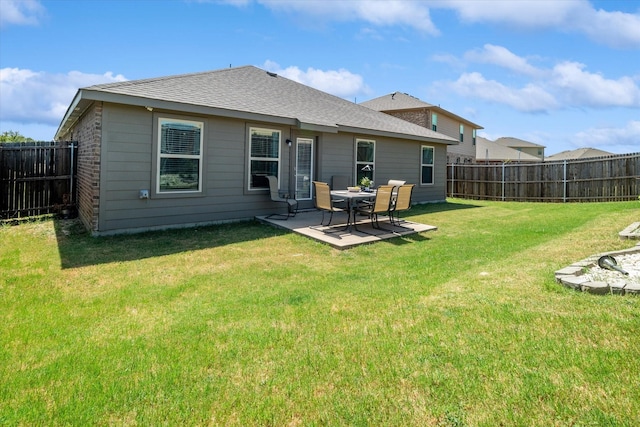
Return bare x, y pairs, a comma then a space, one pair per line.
179, 159
264, 156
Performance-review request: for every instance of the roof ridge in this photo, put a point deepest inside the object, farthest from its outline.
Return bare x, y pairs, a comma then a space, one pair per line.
163, 78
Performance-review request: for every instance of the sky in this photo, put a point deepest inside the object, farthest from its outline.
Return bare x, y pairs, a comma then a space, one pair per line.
561, 73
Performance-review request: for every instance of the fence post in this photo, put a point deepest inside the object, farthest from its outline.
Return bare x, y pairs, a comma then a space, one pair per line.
453, 179
71, 201
564, 181
503, 177
607, 178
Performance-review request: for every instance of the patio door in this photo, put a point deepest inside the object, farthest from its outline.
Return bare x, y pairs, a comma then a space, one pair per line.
304, 168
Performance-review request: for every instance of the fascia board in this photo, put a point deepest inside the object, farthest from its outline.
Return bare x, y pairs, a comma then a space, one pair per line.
455, 116
317, 127
67, 115
446, 141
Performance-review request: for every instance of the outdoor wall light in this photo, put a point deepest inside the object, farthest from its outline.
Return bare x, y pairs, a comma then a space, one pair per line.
288, 141
149, 108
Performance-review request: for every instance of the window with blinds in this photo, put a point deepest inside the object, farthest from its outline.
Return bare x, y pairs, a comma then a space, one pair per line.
426, 165
264, 160
180, 156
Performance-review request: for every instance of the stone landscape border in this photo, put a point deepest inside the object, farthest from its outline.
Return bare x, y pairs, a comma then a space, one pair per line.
631, 232
574, 277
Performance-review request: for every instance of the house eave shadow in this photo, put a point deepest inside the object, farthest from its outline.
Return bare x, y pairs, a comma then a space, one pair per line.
77, 248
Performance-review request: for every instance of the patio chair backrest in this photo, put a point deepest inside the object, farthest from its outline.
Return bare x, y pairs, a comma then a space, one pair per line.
273, 188
403, 201
383, 199
322, 195
396, 182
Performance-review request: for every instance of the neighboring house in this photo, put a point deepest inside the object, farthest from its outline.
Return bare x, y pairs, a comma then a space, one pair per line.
432, 117
527, 147
195, 149
488, 152
580, 153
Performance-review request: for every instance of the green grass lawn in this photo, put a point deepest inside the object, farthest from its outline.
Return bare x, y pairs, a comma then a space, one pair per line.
245, 324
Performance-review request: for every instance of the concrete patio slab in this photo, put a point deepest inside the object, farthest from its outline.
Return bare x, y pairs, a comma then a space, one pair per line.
307, 223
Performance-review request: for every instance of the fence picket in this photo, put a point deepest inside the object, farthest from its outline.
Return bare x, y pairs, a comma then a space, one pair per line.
35, 178
612, 178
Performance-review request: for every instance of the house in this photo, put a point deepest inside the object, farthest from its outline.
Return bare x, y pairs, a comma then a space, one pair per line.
195, 149
525, 147
490, 152
432, 117
580, 153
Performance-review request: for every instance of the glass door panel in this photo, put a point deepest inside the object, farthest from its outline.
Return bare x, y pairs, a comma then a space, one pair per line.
304, 168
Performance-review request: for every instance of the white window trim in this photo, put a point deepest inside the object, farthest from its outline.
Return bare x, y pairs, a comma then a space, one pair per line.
360, 165
251, 158
160, 156
433, 165
300, 142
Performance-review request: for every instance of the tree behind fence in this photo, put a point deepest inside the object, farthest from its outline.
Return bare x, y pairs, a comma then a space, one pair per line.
37, 178
611, 178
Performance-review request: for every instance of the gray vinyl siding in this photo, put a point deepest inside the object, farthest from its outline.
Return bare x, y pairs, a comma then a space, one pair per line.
127, 159
335, 156
395, 159
400, 159
128, 154
451, 127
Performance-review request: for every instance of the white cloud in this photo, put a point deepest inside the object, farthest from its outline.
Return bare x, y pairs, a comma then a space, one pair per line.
39, 97
582, 88
615, 29
414, 14
521, 13
529, 98
503, 57
566, 85
20, 12
625, 139
340, 82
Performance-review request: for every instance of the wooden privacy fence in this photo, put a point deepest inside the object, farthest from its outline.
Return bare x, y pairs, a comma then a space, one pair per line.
611, 178
37, 178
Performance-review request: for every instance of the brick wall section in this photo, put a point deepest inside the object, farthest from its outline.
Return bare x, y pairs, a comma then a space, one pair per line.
88, 133
419, 118
455, 153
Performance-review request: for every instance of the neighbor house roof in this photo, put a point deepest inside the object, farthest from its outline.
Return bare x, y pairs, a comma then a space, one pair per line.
580, 153
250, 93
517, 143
399, 101
490, 151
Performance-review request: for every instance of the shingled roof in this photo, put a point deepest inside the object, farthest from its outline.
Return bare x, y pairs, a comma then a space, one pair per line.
398, 101
250, 93
509, 141
491, 151
580, 153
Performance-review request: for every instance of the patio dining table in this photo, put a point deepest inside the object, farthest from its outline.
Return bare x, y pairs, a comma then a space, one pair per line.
352, 197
